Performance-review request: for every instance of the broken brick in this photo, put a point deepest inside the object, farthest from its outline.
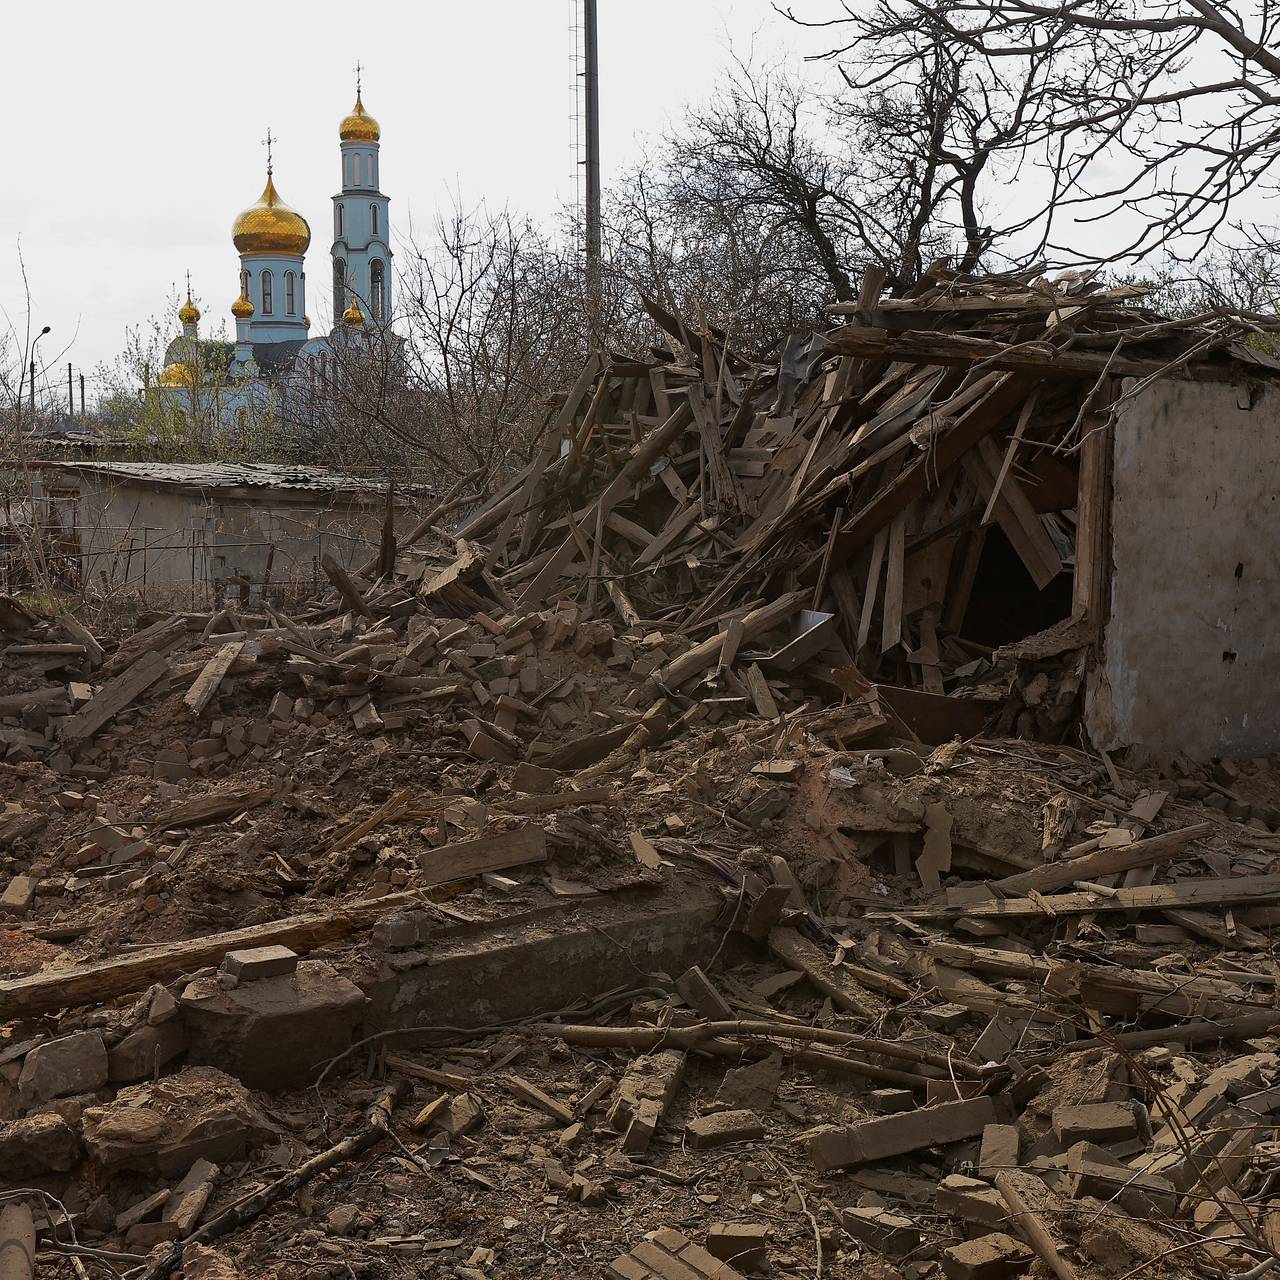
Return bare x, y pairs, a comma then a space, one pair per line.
723, 1127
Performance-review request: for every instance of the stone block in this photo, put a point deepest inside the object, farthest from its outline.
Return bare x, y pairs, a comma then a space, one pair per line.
1100, 1122
972, 1200
999, 1149
259, 962
871, 1140
744, 1245
277, 1032
73, 1064
993, 1257
723, 1127
882, 1230
141, 1054
35, 1146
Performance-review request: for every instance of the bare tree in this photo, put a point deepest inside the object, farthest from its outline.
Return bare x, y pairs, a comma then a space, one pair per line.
489, 320
1140, 124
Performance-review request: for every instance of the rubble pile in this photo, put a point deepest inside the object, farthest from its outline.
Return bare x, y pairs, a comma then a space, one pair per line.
689, 867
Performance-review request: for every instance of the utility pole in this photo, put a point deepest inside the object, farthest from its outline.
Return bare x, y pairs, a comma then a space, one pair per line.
591, 92
71, 395
82, 395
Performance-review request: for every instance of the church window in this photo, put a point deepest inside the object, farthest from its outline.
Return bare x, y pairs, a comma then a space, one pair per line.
290, 294
339, 287
340, 228
267, 291
373, 213
377, 289
355, 169
244, 283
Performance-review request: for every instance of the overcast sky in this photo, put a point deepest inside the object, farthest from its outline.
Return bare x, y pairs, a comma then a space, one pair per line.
135, 129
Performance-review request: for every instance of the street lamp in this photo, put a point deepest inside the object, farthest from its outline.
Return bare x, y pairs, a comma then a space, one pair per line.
33, 374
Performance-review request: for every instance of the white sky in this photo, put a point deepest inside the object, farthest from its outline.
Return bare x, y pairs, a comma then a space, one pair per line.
135, 129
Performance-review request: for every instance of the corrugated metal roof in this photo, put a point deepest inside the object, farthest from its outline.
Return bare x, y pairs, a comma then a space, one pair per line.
232, 475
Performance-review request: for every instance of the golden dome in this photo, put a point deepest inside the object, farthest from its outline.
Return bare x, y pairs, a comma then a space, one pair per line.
242, 308
359, 126
179, 374
353, 314
306, 322
189, 313
270, 226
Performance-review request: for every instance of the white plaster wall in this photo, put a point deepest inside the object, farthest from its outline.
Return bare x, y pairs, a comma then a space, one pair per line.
146, 539
1191, 655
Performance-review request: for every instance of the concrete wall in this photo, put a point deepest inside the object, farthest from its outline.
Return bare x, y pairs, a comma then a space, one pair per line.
1191, 655
154, 539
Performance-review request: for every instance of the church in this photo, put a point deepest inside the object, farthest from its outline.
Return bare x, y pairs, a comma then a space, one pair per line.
275, 361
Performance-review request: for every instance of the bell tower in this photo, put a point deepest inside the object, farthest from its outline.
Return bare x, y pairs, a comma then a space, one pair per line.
361, 235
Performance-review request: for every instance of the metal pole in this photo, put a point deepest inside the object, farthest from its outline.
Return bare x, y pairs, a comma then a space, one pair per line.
71, 395
33, 389
591, 86
82, 395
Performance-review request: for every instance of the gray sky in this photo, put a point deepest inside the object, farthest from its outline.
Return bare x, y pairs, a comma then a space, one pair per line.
136, 129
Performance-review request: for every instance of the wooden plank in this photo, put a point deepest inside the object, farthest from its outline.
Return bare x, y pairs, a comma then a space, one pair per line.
873, 586
99, 981
467, 858
206, 683
891, 612
1091, 590
1016, 439
557, 800
761, 694
676, 525
915, 478
81, 635
959, 351
113, 697
756, 623
797, 952
1156, 897
1150, 852
1015, 515
342, 583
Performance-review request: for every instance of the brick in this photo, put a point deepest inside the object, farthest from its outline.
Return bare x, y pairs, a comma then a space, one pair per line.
656, 1076
882, 1230
1140, 1194
723, 1127
753, 1086
281, 707
1100, 1122
626, 1267
259, 962
972, 1200
190, 1196
999, 1149
992, 1257
871, 1140
744, 1244
18, 896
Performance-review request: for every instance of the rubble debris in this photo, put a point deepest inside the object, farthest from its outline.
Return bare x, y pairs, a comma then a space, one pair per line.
979, 997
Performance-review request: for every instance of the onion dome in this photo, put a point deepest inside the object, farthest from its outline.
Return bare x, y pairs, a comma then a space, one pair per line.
242, 308
353, 314
306, 322
189, 313
179, 374
270, 226
359, 126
